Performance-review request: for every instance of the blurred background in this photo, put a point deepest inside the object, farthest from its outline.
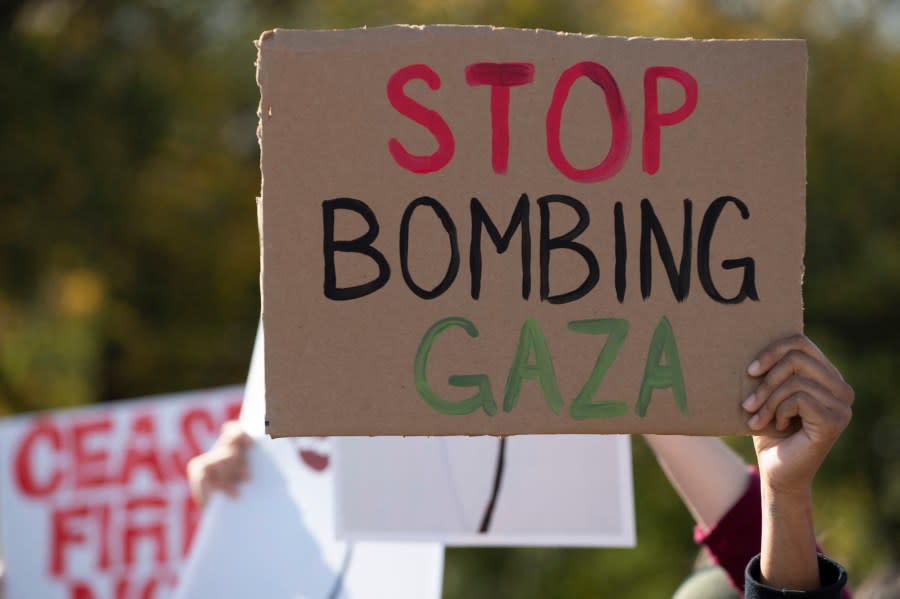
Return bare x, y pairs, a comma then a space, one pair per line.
129, 252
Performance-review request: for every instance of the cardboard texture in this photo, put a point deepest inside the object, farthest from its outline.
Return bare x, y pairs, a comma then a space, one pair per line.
663, 187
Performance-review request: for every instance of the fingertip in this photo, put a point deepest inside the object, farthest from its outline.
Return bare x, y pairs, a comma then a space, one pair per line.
755, 368
754, 422
747, 404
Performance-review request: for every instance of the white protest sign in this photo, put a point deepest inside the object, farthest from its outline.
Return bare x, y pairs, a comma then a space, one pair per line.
277, 539
93, 501
551, 490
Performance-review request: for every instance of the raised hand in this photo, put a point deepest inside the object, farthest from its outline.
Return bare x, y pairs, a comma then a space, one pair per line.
808, 401
223, 467
806, 398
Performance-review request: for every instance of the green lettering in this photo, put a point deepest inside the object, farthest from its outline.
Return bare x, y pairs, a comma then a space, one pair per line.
483, 398
531, 339
584, 406
659, 376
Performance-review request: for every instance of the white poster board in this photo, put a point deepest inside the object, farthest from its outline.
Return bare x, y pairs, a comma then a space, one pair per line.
549, 490
277, 538
93, 501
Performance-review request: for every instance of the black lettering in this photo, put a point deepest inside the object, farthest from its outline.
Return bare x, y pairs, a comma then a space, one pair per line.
449, 227
621, 251
360, 245
679, 278
748, 284
501, 242
565, 241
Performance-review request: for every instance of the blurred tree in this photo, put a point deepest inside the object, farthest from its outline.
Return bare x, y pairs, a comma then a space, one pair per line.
129, 251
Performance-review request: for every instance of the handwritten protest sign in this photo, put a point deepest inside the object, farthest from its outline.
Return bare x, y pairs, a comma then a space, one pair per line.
93, 501
276, 539
469, 230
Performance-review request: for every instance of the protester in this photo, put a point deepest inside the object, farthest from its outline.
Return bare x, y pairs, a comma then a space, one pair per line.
797, 412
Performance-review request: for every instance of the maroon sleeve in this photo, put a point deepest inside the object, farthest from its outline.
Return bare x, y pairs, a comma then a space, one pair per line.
735, 539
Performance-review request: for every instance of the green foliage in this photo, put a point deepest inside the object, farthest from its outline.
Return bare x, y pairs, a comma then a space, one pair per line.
129, 252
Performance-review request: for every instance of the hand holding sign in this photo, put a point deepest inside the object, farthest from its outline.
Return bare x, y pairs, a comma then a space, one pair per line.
224, 467
797, 382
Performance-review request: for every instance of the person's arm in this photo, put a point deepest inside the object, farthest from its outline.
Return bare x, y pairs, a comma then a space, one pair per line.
720, 491
804, 396
709, 477
223, 467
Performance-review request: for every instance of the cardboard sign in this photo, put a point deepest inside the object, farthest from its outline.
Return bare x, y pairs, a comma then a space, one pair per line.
94, 503
277, 539
469, 230
487, 491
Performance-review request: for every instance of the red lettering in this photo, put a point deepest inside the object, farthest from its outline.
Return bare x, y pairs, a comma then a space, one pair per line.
81, 590
125, 586
142, 450
654, 120
620, 144
63, 535
190, 520
233, 409
25, 460
90, 466
189, 423
139, 525
500, 76
104, 558
128, 586
426, 117
149, 590
198, 428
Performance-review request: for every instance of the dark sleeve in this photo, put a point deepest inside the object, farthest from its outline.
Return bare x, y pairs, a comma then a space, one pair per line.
832, 575
734, 539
